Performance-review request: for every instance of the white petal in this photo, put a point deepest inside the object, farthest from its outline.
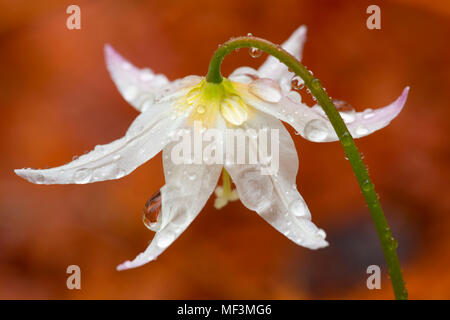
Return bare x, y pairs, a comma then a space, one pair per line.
266, 89
277, 71
314, 125
140, 87
275, 197
187, 188
147, 135
243, 75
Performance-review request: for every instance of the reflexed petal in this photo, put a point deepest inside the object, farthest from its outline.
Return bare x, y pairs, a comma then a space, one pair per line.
277, 71
147, 135
141, 87
314, 125
187, 188
275, 197
243, 75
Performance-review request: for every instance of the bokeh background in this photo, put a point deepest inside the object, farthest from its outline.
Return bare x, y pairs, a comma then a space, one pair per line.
57, 101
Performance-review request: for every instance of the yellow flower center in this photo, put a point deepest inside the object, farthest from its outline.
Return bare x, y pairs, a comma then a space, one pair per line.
208, 99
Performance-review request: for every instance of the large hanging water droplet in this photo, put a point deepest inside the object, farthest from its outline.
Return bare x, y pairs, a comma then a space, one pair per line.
297, 83
152, 210
254, 52
266, 89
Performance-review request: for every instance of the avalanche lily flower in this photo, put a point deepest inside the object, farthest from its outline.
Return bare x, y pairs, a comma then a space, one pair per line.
248, 99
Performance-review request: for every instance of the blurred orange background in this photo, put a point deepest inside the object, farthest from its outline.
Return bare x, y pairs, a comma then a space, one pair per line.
57, 101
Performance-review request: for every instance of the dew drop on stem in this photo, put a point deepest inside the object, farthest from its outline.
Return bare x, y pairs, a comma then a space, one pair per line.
297, 83
254, 52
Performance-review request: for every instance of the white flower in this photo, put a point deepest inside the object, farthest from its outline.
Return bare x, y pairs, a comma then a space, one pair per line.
249, 98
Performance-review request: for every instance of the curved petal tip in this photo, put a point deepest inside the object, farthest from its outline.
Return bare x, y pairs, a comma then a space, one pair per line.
33, 176
401, 100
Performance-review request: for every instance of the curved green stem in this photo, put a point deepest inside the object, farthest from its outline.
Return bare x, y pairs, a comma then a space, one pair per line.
388, 243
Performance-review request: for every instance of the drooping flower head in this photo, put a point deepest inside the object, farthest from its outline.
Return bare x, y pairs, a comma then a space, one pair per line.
248, 101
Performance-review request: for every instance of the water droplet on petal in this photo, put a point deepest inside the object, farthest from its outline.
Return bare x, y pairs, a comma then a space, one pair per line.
130, 93
192, 176
146, 75
316, 130
257, 193
201, 109
147, 104
127, 66
348, 117
152, 210
343, 106
298, 208
120, 173
266, 89
361, 131
368, 113
82, 176
321, 233
39, 178
294, 96
254, 52
249, 35
265, 160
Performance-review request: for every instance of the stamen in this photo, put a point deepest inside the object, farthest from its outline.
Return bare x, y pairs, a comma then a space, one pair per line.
224, 193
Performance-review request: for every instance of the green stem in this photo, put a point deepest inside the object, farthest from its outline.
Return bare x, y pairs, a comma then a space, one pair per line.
388, 243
